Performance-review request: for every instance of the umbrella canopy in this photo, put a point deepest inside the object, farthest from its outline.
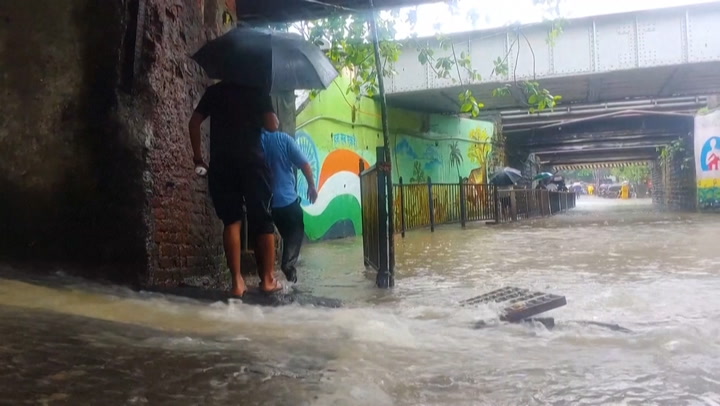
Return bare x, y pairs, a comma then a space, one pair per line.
558, 179
267, 59
506, 177
543, 176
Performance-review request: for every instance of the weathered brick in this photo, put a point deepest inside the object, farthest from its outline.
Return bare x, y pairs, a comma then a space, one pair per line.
169, 250
674, 185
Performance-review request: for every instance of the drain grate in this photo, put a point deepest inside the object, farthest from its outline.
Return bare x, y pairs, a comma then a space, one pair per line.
521, 303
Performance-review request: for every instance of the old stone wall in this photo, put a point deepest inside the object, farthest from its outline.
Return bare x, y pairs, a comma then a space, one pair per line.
70, 176
96, 165
658, 178
184, 237
673, 176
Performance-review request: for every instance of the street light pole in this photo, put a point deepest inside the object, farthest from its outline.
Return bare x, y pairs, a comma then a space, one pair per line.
386, 170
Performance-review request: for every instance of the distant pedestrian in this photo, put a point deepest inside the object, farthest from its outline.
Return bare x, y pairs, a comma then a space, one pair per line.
283, 155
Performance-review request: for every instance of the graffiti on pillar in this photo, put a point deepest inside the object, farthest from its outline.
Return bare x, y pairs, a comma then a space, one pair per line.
707, 159
710, 155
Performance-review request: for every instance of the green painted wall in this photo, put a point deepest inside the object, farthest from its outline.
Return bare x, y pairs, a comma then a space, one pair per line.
335, 136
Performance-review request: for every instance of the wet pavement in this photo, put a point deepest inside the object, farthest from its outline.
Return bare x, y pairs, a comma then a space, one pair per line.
67, 341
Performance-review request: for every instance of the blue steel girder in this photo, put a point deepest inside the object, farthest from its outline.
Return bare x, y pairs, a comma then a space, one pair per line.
656, 53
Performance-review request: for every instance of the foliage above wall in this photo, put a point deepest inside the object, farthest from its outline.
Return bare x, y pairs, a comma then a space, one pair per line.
677, 149
350, 49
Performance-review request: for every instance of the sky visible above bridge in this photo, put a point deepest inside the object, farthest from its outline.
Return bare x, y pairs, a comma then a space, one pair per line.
477, 15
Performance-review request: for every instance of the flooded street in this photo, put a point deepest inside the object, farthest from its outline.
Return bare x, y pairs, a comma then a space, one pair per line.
65, 341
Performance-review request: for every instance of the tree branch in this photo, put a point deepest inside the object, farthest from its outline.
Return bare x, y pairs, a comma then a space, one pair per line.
532, 51
457, 65
517, 59
507, 55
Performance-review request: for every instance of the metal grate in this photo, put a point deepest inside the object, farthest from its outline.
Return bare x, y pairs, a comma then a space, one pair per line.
522, 303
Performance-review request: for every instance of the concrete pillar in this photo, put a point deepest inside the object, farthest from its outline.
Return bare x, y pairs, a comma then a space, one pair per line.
674, 185
713, 102
71, 168
94, 172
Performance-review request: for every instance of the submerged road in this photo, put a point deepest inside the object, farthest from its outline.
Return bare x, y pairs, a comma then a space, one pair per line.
66, 341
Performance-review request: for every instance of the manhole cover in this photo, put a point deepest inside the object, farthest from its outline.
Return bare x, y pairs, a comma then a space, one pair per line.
521, 303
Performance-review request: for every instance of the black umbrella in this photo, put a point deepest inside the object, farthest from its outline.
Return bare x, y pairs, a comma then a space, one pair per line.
506, 177
267, 59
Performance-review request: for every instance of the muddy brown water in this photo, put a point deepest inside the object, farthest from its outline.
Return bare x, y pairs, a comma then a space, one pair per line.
68, 341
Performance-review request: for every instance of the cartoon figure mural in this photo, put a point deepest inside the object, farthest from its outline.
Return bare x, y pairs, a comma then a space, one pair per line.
707, 160
710, 155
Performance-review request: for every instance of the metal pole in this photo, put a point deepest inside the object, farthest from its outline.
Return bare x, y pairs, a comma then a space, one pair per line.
386, 140
431, 209
527, 203
402, 208
383, 275
463, 204
365, 237
496, 203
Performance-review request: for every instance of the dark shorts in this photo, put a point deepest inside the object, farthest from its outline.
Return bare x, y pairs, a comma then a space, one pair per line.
231, 187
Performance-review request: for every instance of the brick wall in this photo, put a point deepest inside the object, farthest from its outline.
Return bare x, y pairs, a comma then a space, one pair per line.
674, 181
99, 167
184, 240
658, 179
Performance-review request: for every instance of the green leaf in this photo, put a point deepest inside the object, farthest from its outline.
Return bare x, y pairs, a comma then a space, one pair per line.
466, 107
533, 99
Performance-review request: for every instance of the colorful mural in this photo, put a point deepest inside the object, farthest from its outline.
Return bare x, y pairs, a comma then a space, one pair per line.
335, 142
335, 137
707, 160
456, 147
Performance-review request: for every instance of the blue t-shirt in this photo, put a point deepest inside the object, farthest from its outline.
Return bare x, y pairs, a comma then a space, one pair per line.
282, 155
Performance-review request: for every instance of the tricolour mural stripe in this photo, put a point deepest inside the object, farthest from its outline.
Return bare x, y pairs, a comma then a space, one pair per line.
341, 183
340, 208
340, 160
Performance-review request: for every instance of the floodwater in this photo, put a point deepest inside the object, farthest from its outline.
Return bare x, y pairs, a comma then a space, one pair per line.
65, 341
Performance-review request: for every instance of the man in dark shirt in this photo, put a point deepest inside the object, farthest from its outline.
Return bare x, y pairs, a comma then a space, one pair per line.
238, 172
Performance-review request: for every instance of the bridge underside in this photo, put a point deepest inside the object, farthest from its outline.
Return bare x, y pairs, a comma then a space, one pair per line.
616, 139
647, 83
653, 54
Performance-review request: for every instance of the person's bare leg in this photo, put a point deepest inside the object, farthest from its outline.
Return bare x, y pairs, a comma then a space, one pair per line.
265, 253
231, 242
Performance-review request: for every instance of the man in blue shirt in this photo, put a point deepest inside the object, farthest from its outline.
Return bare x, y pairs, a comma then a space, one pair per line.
283, 155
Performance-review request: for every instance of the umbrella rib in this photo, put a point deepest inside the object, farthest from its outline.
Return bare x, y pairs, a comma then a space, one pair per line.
335, 6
